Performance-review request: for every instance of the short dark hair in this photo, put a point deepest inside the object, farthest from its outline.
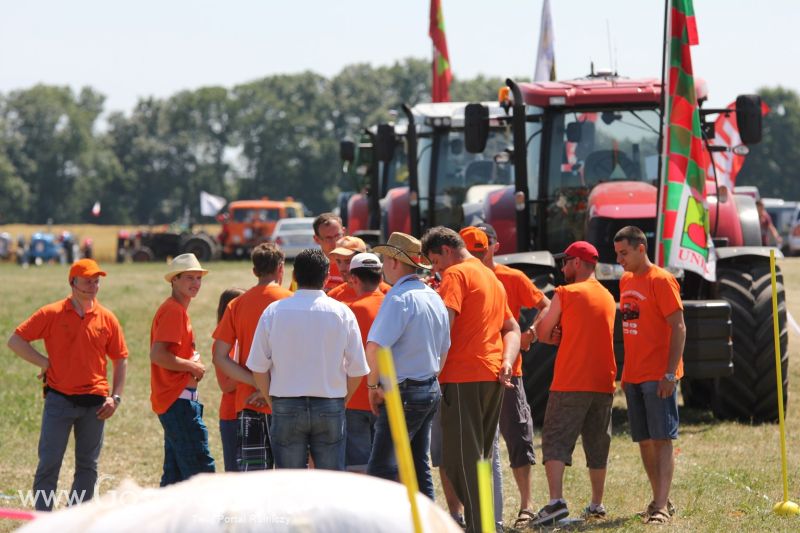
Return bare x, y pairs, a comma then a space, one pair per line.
266, 257
633, 235
368, 276
225, 298
325, 219
311, 268
435, 238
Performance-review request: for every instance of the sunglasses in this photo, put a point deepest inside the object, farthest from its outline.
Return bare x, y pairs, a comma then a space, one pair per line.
565, 260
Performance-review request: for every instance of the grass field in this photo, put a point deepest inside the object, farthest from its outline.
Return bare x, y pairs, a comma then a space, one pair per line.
727, 478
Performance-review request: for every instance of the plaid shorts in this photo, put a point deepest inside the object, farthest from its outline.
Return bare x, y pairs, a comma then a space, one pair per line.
253, 450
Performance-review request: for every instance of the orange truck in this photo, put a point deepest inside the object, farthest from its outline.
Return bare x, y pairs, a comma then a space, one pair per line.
247, 223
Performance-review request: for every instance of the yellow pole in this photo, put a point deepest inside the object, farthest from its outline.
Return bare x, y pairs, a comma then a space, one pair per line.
485, 496
397, 425
784, 507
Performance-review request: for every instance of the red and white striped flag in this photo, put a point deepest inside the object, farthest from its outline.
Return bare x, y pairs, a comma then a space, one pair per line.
728, 164
96, 209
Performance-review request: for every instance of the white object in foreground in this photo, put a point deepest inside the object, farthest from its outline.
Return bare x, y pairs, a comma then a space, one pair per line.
277, 500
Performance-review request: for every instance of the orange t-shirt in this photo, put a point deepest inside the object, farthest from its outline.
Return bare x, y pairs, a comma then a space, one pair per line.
645, 302
585, 360
479, 300
344, 292
334, 276
227, 406
76, 347
170, 325
366, 309
238, 325
521, 292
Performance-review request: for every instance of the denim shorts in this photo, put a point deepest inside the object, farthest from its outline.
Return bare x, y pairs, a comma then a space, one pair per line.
651, 417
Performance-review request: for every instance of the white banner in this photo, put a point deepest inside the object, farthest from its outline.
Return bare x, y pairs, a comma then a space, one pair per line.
546, 55
210, 205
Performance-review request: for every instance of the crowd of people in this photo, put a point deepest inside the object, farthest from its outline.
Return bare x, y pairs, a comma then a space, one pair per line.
302, 387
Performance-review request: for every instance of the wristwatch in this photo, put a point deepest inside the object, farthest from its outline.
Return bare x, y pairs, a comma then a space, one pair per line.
373, 387
669, 376
117, 399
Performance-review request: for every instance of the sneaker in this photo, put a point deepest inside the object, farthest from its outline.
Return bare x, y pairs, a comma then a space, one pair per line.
591, 512
550, 514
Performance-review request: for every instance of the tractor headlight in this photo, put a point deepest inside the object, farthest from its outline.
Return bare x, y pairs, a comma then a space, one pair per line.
607, 271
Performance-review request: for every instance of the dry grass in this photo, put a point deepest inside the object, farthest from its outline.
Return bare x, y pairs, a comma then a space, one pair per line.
727, 478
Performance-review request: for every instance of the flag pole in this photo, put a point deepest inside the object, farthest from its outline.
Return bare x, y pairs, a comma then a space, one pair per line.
662, 159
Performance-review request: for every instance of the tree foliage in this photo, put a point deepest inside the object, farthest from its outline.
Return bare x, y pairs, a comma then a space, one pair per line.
276, 136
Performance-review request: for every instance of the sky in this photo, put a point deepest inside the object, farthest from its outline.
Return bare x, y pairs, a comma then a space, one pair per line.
128, 50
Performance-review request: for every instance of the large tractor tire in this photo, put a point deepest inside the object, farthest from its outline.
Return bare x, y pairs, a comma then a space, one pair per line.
750, 394
143, 254
201, 246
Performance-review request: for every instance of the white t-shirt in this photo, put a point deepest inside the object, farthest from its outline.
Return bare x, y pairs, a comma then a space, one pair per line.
310, 344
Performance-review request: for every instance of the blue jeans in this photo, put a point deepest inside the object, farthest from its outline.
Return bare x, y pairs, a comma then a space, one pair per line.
651, 417
59, 418
308, 423
227, 432
420, 401
360, 432
186, 450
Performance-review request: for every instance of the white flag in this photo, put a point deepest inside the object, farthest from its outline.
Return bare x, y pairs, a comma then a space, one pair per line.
546, 55
210, 205
96, 209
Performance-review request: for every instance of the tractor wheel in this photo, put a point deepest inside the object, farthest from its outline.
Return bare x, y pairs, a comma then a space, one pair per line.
201, 246
142, 255
750, 394
697, 393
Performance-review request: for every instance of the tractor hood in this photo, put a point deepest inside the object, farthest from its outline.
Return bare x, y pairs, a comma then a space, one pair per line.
623, 199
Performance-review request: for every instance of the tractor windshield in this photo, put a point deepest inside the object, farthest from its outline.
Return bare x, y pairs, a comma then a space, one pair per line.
457, 178
590, 147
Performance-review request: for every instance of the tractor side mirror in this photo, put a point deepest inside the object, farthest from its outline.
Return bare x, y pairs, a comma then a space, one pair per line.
347, 150
476, 127
385, 143
748, 118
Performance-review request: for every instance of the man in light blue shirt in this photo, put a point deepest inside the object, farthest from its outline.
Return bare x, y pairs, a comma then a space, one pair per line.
413, 323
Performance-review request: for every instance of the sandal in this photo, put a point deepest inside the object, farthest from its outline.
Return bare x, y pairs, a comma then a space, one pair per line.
524, 518
651, 507
658, 517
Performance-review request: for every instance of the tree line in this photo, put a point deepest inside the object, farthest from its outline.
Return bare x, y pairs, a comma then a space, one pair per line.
276, 136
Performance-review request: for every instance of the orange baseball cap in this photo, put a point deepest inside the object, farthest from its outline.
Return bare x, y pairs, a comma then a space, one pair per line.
85, 268
348, 246
475, 239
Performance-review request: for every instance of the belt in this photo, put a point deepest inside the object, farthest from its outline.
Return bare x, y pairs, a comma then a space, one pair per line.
189, 394
416, 382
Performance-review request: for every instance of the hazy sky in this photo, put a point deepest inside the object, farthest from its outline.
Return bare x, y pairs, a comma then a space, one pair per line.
131, 49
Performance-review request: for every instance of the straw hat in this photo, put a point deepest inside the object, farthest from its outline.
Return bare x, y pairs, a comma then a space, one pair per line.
404, 248
184, 263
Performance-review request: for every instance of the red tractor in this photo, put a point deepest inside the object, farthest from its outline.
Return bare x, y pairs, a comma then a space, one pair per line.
586, 163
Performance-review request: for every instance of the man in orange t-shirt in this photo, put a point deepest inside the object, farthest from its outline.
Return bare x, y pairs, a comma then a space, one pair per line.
237, 327
328, 230
583, 380
78, 334
346, 248
175, 370
516, 421
484, 344
654, 334
364, 277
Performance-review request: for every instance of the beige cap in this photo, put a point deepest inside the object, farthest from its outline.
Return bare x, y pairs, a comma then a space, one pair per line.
348, 246
183, 263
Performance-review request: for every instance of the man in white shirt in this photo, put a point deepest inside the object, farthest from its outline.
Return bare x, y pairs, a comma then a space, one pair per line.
307, 358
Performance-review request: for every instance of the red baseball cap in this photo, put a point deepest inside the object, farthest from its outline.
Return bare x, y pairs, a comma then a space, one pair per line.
582, 250
85, 268
475, 239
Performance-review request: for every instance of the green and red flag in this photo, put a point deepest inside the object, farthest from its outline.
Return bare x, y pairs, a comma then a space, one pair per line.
442, 76
684, 240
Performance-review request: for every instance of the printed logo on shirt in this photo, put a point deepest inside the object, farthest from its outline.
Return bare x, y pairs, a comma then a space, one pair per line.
630, 311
